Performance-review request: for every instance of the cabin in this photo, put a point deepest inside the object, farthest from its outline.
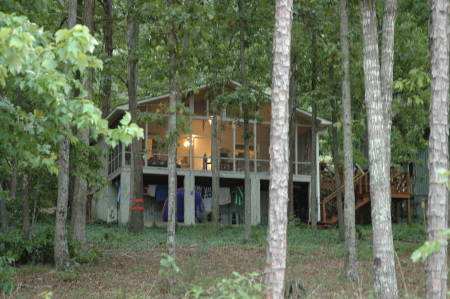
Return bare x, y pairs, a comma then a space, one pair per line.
194, 163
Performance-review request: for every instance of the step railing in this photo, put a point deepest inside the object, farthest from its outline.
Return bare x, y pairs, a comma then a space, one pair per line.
328, 206
399, 186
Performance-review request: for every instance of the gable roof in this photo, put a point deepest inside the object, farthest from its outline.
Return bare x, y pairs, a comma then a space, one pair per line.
118, 111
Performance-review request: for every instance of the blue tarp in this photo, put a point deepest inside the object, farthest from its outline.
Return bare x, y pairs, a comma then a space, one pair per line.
199, 207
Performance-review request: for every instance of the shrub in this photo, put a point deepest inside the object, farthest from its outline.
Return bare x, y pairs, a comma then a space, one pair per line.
39, 249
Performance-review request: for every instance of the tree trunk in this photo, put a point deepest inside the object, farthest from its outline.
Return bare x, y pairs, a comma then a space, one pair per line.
379, 118
137, 214
172, 148
25, 207
215, 162
292, 118
279, 152
78, 219
3, 211
351, 258
314, 183
337, 169
436, 264
109, 47
61, 247
247, 132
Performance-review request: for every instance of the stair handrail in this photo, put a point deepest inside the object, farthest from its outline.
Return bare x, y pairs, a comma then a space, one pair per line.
358, 179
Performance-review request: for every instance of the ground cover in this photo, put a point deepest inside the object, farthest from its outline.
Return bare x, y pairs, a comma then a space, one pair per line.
118, 264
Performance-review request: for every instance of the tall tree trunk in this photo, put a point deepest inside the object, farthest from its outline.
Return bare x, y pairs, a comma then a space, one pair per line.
3, 211
436, 264
351, 258
61, 247
337, 170
25, 207
172, 148
215, 169
109, 47
279, 152
314, 181
247, 132
14, 176
292, 117
78, 219
379, 119
137, 214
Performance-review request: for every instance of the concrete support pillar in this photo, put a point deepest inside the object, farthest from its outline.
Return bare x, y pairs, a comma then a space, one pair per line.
124, 207
255, 199
189, 199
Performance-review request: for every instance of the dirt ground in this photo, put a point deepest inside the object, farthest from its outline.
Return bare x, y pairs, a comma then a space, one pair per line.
134, 274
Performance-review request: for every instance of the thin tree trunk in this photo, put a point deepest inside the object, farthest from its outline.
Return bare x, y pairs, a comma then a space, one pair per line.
78, 219
25, 207
337, 170
437, 215
137, 214
3, 211
378, 105
314, 158
14, 176
109, 47
351, 258
215, 169
247, 133
61, 247
279, 152
172, 148
292, 117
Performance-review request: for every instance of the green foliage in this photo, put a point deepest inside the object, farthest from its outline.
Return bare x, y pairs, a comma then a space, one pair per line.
240, 286
428, 248
69, 274
7, 283
44, 68
169, 267
39, 249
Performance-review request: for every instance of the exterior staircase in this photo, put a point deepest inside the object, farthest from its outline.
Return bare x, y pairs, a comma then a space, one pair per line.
328, 206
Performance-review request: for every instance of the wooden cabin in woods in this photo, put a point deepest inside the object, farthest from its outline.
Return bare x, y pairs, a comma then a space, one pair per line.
194, 163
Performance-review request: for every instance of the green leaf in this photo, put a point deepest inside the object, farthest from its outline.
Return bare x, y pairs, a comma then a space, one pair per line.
14, 62
82, 60
38, 113
5, 32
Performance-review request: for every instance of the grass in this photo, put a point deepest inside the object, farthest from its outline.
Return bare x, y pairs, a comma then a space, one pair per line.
128, 265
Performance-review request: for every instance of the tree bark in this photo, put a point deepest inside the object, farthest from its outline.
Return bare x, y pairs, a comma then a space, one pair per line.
25, 207
292, 118
279, 152
215, 169
351, 258
109, 47
172, 148
61, 247
137, 215
3, 211
337, 169
247, 132
379, 119
437, 215
78, 219
314, 196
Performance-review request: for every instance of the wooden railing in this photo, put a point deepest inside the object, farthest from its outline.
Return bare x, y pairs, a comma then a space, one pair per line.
328, 206
399, 188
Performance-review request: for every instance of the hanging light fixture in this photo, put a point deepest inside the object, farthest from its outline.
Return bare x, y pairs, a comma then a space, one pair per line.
187, 142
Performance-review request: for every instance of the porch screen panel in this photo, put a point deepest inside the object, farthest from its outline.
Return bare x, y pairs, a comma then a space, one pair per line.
304, 150
226, 149
239, 147
263, 142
